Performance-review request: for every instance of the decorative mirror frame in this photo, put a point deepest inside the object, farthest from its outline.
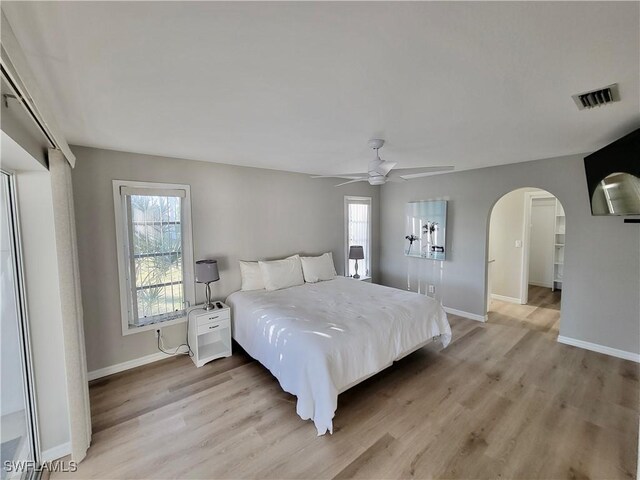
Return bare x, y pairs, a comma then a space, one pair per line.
426, 228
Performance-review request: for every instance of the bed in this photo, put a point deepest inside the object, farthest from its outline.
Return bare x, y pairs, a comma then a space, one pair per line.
320, 339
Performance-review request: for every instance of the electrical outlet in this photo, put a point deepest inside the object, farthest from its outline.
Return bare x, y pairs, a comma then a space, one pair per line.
518, 243
432, 289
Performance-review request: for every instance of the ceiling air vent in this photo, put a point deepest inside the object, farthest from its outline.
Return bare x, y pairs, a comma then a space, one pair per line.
597, 98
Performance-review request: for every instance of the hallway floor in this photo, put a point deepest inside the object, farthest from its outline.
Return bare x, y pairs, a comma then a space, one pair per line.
541, 314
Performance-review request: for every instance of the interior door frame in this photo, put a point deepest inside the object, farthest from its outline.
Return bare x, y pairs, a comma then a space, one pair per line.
529, 197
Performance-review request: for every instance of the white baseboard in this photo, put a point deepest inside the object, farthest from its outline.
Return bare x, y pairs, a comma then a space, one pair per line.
470, 316
541, 284
504, 298
614, 352
56, 452
121, 367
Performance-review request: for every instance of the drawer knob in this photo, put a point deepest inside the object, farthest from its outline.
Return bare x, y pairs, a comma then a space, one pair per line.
213, 326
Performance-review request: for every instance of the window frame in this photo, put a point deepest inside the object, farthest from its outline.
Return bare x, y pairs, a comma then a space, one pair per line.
122, 247
348, 199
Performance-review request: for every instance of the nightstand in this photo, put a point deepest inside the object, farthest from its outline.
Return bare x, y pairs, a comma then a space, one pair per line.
209, 333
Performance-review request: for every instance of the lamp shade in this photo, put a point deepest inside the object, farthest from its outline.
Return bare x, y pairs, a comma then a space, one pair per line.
356, 252
207, 271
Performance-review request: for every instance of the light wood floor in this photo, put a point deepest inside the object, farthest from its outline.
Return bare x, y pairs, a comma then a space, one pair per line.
504, 400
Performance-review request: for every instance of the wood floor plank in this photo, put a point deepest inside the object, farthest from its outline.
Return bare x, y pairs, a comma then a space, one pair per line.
366, 464
504, 400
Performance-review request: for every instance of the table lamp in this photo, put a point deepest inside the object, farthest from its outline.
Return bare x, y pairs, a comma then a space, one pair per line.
207, 272
356, 252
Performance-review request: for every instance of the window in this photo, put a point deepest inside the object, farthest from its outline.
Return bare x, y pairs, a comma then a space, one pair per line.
155, 254
357, 213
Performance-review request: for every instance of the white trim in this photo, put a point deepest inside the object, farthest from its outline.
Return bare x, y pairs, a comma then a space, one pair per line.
594, 347
121, 367
122, 242
540, 284
56, 453
524, 257
470, 316
504, 298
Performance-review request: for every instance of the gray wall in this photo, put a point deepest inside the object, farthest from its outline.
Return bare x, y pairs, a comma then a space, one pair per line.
238, 213
601, 288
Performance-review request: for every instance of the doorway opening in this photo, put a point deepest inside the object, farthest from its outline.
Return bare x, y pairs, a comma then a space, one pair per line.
525, 259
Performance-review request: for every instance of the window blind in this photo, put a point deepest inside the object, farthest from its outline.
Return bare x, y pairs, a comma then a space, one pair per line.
358, 233
154, 222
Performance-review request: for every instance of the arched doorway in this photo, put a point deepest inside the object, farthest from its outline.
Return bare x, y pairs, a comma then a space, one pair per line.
525, 259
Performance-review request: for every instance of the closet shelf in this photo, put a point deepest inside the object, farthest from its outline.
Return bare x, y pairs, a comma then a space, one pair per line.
559, 239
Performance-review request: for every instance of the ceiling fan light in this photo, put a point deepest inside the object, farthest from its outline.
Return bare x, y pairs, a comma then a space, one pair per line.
377, 180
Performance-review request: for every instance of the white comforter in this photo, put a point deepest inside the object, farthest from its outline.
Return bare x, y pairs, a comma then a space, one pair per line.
319, 339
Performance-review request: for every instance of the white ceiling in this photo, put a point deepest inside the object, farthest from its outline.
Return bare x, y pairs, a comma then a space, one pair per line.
303, 86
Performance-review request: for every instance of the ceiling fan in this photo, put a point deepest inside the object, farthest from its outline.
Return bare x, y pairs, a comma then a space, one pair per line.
382, 171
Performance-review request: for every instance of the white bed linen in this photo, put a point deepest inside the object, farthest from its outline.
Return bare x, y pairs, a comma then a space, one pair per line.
318, 339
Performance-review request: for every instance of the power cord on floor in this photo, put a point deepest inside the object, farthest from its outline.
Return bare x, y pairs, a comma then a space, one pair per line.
176, 351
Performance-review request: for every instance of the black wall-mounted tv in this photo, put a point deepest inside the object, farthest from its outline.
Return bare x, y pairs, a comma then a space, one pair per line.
613, 177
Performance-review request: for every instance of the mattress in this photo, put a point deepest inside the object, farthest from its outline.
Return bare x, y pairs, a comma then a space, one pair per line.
318, 339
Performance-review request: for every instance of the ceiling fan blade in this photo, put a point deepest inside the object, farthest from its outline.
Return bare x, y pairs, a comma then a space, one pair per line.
349, 176
365, 179
385, 167
396, 179
403, 172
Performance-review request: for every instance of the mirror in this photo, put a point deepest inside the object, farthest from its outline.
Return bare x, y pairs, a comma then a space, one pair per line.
426, 226
617, 194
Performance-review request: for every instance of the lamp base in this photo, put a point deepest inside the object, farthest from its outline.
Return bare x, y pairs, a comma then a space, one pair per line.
356, 276
207, 303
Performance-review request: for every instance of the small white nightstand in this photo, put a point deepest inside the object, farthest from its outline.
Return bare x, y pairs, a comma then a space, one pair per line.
210, 333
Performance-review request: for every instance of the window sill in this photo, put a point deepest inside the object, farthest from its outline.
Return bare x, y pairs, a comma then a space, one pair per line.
153, 326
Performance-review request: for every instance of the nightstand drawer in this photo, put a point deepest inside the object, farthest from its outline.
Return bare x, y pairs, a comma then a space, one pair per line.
214, 325
214, 316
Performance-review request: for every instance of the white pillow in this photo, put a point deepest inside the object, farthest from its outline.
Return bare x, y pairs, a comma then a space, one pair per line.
317, 269
332, 264
278, 274
251, 276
